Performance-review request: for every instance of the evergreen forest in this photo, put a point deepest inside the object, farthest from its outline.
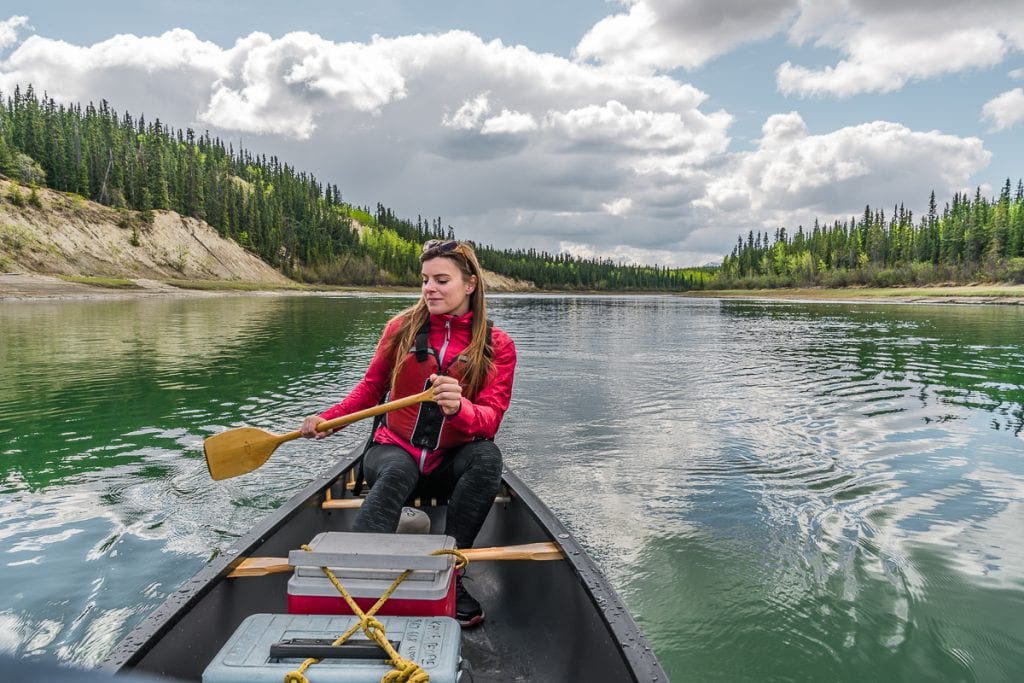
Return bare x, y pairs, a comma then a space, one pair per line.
304, 228
970, 240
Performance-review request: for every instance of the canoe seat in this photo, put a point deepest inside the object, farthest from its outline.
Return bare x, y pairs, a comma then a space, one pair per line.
418, 499
353, 503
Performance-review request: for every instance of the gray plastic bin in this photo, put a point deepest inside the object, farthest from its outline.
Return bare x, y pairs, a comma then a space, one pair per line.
431, 642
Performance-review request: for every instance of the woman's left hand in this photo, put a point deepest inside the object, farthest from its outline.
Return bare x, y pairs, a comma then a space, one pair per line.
447, 393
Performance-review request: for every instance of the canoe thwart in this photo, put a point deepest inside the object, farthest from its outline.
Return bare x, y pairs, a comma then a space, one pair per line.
544, 550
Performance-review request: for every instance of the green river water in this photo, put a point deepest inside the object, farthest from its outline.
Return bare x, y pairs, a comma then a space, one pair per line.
778, 491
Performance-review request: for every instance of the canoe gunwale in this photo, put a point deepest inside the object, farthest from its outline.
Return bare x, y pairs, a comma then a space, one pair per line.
633, 644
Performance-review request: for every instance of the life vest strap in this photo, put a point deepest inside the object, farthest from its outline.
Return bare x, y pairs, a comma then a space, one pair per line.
422, 343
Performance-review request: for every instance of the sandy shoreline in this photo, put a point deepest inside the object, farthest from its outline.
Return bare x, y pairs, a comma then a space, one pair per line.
37, 287
27, 287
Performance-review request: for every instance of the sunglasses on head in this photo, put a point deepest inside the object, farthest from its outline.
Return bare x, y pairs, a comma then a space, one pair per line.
440, 247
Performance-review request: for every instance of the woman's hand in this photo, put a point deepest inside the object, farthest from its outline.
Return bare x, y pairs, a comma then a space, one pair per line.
308, 428
447, 394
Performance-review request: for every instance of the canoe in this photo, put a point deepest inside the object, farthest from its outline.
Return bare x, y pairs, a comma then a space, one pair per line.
548, 620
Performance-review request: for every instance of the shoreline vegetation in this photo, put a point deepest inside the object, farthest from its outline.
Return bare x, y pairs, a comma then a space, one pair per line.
24, 286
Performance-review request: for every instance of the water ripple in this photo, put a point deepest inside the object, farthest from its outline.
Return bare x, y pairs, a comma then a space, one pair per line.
831, 490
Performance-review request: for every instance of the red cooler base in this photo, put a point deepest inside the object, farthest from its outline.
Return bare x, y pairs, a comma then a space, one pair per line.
394, 607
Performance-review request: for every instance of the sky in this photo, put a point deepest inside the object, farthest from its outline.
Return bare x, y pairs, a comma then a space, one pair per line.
650, 131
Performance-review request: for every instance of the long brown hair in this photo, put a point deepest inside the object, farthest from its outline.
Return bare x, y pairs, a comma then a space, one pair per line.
477, 355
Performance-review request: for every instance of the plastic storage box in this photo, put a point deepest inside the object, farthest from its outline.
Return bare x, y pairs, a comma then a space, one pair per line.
431, 642
366, 565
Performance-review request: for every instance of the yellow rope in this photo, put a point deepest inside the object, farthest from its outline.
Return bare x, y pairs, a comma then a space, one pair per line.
406, 670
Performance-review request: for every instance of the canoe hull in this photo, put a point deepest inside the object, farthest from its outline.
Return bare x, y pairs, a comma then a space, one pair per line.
546, 620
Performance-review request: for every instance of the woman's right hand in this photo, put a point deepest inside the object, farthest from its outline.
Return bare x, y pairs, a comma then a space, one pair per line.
309, 431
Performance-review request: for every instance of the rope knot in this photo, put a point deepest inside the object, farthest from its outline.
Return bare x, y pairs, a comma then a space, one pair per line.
405, 671
372, 627
295, 677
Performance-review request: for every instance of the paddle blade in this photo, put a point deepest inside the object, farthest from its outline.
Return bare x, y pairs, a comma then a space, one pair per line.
238, 451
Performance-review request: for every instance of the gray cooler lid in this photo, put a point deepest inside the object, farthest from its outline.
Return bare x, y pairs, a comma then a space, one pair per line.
350, 550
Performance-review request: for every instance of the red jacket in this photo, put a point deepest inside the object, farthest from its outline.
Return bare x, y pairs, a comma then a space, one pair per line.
478, 418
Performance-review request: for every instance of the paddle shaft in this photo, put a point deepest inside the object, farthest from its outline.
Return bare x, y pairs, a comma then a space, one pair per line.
363, 414
545, 550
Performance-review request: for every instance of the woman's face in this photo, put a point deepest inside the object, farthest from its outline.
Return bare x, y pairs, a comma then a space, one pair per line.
445, 289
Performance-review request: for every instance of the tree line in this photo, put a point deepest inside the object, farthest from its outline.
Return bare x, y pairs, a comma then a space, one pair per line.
971, 239
285, 216
304, 227
564, 271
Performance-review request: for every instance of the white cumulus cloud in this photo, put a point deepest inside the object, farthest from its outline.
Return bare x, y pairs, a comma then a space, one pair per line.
1006, 110
667, 34
167, 75
9, 30
620, 253
794, 173
882, 45
283, 86
887, 44
509, 122
468, 115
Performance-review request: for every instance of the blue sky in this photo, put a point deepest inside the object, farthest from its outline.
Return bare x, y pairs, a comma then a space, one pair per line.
647, 130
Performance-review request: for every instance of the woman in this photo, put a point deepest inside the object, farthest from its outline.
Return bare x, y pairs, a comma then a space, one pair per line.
444, 448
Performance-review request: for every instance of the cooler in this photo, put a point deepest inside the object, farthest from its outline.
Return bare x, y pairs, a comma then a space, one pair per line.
367, 565
265, 647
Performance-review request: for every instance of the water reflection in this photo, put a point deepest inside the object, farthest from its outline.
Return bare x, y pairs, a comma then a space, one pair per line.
831, 490
105, 503
89, 383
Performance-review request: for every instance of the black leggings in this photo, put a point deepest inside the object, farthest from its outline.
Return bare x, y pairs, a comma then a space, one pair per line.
469, 476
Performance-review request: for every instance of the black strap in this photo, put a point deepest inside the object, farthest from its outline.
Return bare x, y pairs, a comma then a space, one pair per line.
422, 344
357, 488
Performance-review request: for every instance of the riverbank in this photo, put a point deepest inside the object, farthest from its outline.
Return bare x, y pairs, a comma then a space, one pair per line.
35, 286
1011, 294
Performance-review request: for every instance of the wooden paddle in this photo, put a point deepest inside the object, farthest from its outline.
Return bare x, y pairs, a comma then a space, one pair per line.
546, 550
238, 451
